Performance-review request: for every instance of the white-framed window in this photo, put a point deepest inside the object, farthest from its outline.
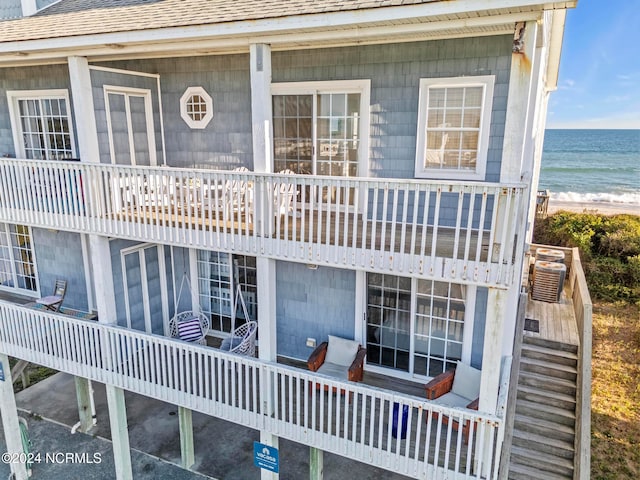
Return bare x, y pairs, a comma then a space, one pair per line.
41, 124
196, 107
454, 116
418, 327
17, 262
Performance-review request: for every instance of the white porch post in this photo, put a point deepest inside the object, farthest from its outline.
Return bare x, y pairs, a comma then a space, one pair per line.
29, 7
518, 122
261, 114
261, 110
100, 253
260, 67
267, 347
10, 424
517, 152
491, 363
492, 353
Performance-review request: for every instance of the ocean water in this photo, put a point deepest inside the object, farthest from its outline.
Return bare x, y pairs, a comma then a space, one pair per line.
592, 165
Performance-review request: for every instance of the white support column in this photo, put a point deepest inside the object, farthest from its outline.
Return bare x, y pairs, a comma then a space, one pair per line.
491, 363
492, 349
261, 109
100, 255
266, 285
267, 347
10, 424
518, 122
186, 437
261, 114
29, 7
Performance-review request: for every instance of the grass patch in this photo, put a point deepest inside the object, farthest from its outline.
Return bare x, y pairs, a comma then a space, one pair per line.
615, 403
35, 374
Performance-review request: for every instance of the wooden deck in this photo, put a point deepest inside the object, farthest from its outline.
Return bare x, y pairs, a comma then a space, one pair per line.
556, 321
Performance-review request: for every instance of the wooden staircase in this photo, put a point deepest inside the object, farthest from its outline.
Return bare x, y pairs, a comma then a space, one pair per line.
545, 415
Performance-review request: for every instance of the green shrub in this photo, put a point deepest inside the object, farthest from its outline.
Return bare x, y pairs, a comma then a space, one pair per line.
609, 249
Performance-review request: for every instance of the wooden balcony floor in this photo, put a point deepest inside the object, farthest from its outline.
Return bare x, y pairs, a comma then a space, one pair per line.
326, 228
556, 322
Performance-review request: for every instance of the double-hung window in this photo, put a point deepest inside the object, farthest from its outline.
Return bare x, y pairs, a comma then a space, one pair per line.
41, 124
453, 127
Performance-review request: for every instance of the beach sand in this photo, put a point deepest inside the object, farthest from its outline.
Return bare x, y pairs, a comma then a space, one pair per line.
593, 207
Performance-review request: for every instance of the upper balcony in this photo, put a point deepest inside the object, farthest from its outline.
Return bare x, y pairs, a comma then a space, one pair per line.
445, 230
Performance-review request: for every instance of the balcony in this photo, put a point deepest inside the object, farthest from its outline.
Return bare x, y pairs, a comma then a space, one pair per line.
452, 231
355, 421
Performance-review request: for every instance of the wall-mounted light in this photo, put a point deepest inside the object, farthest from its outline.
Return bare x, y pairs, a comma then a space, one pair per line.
312, 266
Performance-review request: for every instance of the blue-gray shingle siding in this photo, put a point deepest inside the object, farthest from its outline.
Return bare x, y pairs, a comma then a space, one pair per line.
395, 71
27, 78
59, 256
312, 303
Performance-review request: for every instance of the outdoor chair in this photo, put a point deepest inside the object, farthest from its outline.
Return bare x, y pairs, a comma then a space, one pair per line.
456, 388
243, 340
54, 302
284, 194
340, 358
189, 326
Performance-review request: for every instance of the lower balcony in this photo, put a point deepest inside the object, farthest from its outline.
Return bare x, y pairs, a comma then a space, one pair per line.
354, 420
453, 231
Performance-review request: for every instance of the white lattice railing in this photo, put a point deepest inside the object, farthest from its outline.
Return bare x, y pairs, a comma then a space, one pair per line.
345, 418
455, 231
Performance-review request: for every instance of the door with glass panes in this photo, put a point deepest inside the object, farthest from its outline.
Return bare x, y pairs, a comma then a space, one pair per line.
416, 327
145, 288
318, 129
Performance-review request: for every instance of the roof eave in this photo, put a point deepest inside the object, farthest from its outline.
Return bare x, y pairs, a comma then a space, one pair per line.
338, 28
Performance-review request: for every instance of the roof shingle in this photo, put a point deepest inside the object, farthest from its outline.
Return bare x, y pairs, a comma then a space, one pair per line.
87, 17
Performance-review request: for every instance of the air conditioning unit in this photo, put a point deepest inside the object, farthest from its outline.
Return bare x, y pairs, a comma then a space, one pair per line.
549, 255
548, 281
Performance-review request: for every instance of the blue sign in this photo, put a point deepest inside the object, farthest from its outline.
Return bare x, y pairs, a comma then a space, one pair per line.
1, 373
265, 457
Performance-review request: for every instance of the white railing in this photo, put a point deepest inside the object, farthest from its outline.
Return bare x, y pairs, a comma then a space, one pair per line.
345, 418
445, 230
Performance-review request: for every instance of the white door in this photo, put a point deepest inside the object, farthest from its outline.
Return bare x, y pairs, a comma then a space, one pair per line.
130, 126
145, 288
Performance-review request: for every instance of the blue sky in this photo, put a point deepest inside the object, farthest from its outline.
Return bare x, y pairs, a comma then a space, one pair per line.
599, 84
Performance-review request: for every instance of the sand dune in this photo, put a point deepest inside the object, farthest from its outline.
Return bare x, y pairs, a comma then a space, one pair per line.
604, 208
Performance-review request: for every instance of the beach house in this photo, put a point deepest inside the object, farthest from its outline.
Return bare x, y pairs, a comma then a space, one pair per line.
333, 171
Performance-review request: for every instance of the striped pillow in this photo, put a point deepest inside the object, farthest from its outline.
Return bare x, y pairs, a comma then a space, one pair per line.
190, 330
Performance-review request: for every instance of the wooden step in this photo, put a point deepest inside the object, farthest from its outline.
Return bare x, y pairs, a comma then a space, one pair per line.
543, 462
543, 342
550, 369
524, 472
550, 384
560, 357
544, 412
560, 400
543, 444
558, 431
